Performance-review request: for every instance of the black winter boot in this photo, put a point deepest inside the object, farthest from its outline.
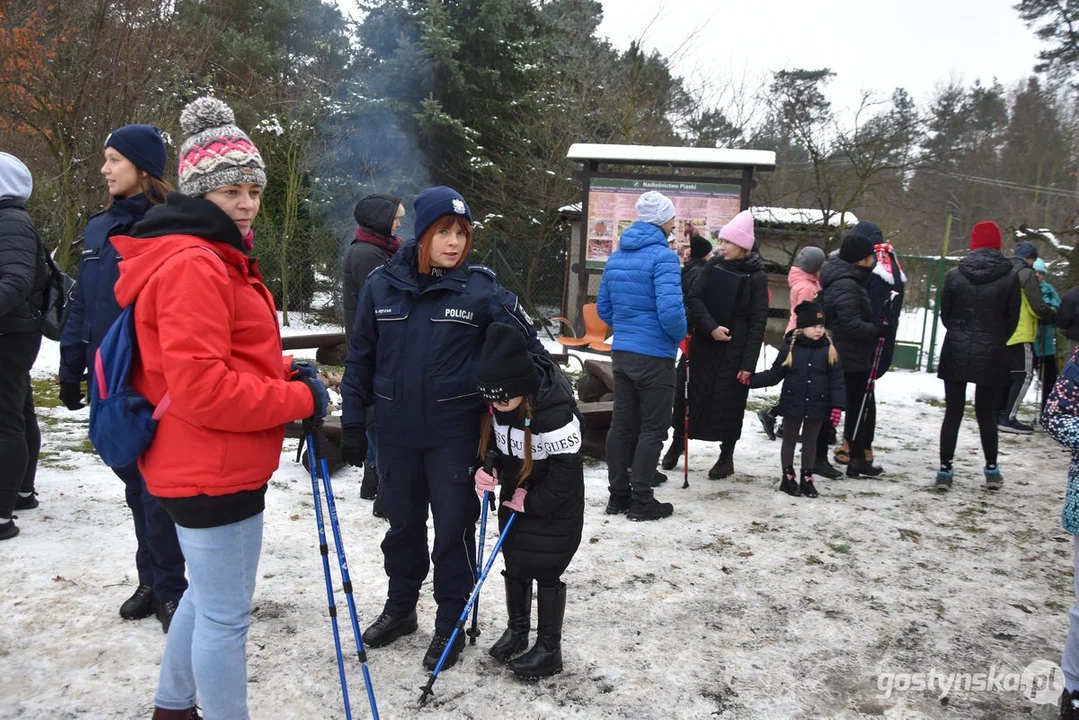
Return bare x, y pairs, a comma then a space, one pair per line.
141, 604
376, 508
807, 488
826, 469
438, 646
165, 611
670, 458
724, 466
369, 484
388, 627
857, 467
545, 657
519, 611
789, 485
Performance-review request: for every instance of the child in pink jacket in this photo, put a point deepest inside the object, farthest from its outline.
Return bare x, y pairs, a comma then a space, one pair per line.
804, 279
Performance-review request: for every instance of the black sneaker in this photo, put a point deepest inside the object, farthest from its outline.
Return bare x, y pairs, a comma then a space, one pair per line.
825, 469
768, 421
27, 502
650, 510
438, 646
1013, 426
164, 612
670, 458
617, 504
141, 604
659, 479
388, 627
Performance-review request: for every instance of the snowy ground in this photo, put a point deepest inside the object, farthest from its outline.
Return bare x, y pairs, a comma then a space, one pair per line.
746, 604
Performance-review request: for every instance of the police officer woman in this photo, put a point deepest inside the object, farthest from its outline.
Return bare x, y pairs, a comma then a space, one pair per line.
413, 353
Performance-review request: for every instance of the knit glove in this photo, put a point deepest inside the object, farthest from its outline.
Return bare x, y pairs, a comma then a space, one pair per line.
837, 414
517, 502
354, 444
318, 392
486, 482
71, 395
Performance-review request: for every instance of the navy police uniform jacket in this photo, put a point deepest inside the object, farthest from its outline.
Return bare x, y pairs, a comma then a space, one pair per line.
414, 349
93, 304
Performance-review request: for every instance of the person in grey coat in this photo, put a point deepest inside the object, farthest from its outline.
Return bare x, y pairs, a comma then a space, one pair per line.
22, 286
378, 216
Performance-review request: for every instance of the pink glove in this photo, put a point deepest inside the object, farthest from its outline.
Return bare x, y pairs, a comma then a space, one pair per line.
485, 482
836, 415
517, 503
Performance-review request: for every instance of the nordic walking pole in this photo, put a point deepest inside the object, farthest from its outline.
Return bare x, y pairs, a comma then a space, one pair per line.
869, 386
428, 689
685, 429
346, 581
312, 462
488, 467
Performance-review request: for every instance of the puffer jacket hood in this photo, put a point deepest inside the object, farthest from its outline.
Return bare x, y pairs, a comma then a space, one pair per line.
984, 266
16, 182
186, 215
641, 234
838, 269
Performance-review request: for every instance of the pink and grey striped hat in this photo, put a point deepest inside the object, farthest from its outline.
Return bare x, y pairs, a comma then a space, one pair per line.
215, 152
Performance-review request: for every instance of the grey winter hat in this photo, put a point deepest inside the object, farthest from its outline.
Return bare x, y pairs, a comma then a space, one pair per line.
215, 152
810, 258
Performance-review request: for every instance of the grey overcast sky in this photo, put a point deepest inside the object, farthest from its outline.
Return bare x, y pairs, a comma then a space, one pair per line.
870, 44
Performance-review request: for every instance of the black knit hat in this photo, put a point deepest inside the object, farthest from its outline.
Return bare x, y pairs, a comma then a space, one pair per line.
808, 314
855, 248
505, 369
698, 246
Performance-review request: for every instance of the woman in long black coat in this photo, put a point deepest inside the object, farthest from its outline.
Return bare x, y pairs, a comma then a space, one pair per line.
980, 309
534, 432
728, 307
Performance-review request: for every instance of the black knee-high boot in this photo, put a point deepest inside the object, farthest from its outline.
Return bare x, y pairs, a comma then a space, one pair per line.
519, 611
545, 657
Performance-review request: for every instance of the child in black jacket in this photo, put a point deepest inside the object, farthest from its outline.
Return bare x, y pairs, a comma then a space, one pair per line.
813, 392
536, 430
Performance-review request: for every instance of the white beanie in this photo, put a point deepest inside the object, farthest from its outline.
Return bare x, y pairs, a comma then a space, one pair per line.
654, 207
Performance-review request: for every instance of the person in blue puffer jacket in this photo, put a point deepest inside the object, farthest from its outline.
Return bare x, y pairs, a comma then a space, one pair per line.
640, 297
413, 353
134, 164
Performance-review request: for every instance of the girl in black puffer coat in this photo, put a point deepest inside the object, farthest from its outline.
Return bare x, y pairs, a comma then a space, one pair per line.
980, 309
813, 392
536, 430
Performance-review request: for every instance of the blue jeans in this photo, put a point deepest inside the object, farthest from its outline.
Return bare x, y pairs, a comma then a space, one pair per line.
206, 646
372, 448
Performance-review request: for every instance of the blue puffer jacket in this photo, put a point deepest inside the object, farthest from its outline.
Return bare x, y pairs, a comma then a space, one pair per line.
640, 295
93, 305
413, 351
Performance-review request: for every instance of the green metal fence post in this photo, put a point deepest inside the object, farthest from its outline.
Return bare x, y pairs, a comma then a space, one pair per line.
939, 275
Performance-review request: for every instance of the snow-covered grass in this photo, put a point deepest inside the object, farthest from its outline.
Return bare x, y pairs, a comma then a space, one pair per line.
746, 603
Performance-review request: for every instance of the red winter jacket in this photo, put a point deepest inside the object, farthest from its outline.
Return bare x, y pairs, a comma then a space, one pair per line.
208, 335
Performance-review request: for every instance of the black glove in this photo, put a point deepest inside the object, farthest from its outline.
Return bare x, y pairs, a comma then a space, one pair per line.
354, 444
883, 329
318, 392
71, 395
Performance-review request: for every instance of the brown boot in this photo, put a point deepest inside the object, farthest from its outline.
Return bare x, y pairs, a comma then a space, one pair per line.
190, 713
842, 453
869, 455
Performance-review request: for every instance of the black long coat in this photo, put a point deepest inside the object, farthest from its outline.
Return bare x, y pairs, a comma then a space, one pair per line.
848, 313
811, 386
545, 537
22, 269
980, 309
733, 295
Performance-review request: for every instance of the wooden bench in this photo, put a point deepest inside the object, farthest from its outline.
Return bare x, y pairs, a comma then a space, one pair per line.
332, 426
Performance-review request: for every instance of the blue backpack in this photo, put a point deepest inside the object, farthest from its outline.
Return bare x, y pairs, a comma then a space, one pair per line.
122, 421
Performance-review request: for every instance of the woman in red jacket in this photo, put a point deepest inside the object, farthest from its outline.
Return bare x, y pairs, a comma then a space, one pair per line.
208, 338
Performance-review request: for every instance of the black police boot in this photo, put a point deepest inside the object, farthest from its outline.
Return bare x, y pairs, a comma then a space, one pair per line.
519, 611
140, 605
388, 627
165, 611
438, 646
369, 484
545, 657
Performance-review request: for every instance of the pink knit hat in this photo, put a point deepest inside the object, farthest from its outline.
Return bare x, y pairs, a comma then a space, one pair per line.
739, 230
